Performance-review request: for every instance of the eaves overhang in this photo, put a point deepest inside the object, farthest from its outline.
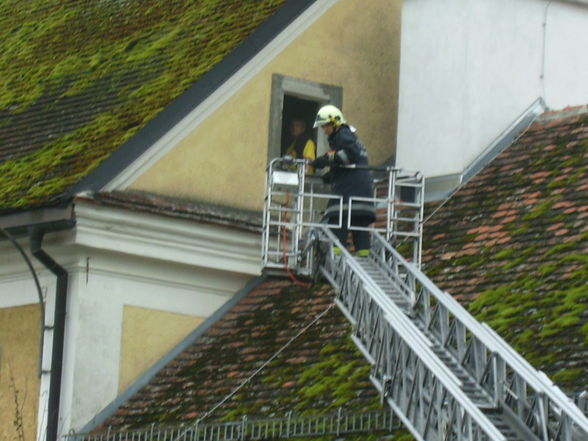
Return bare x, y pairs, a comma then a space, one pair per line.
48, 219
171, 207
157, 237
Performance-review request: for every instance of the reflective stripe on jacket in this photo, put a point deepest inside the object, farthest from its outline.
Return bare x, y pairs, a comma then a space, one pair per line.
347, 149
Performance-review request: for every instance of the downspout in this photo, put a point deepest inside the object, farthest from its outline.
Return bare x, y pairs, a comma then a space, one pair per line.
36, 239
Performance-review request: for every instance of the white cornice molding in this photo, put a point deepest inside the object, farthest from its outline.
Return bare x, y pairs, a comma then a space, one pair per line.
148, 248
14, 267
219, 96
167, 239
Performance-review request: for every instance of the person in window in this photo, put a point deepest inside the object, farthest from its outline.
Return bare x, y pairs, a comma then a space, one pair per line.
346, 149
302, 147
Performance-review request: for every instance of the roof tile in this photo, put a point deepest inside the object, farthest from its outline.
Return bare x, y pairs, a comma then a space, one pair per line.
319, 371
512, 245
81, 78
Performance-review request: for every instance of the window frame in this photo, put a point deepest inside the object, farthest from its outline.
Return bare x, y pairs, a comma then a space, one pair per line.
309, 90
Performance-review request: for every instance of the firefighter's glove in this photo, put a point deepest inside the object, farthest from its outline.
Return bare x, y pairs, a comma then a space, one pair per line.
325, 160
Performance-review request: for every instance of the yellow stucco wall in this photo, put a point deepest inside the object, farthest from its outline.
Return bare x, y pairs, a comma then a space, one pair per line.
147, 336
19, 357
353, 46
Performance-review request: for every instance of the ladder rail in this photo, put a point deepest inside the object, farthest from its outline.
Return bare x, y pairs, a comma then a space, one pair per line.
549, 388
439, 392
556, 412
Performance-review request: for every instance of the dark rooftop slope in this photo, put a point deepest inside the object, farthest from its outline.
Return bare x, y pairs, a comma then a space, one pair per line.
512, 245
317, 373
176, 207
81, 78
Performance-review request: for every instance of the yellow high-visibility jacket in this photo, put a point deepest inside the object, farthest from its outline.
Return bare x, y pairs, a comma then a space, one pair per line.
309, 152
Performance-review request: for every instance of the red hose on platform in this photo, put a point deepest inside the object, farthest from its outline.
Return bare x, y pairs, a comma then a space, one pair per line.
288, 270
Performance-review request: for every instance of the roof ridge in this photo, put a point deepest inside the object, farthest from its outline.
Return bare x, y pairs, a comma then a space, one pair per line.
566, 112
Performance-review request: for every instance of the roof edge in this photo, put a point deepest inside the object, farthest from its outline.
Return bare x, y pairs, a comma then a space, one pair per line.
567, 112
581, 2
199, 211
48, 218
144, 379
341, 422
195, 95
505, 139
181, 241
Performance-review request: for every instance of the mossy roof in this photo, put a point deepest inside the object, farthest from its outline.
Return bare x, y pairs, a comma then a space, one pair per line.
512, 245
315, 370
81, 79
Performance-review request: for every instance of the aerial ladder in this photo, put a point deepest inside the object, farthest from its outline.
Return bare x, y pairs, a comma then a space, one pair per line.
444, 374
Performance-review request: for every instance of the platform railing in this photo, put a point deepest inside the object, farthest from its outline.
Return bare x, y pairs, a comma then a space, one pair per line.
294, 204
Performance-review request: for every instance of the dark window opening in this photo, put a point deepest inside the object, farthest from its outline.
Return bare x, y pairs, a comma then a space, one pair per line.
300, 110
294, 97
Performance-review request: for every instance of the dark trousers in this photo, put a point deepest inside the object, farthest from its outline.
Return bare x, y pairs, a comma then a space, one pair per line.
361, 239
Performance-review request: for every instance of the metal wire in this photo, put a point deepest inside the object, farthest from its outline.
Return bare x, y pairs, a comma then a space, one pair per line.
268, 361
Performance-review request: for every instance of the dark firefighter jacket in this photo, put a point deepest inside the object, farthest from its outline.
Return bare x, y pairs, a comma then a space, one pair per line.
347, 149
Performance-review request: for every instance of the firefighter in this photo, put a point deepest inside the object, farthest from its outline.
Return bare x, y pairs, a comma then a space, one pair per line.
346, 149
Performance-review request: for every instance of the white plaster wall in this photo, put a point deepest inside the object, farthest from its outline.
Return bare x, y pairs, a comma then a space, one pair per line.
94, 328
17, 288
470, 67
109, 271
566, 55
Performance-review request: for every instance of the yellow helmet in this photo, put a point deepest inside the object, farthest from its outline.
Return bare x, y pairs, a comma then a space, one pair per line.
329, 114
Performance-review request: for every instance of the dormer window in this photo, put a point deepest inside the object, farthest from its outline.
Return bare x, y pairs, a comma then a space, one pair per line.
294, 99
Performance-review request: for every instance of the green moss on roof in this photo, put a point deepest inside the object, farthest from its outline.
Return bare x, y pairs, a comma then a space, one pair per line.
80, 78
315, 373
514, 247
